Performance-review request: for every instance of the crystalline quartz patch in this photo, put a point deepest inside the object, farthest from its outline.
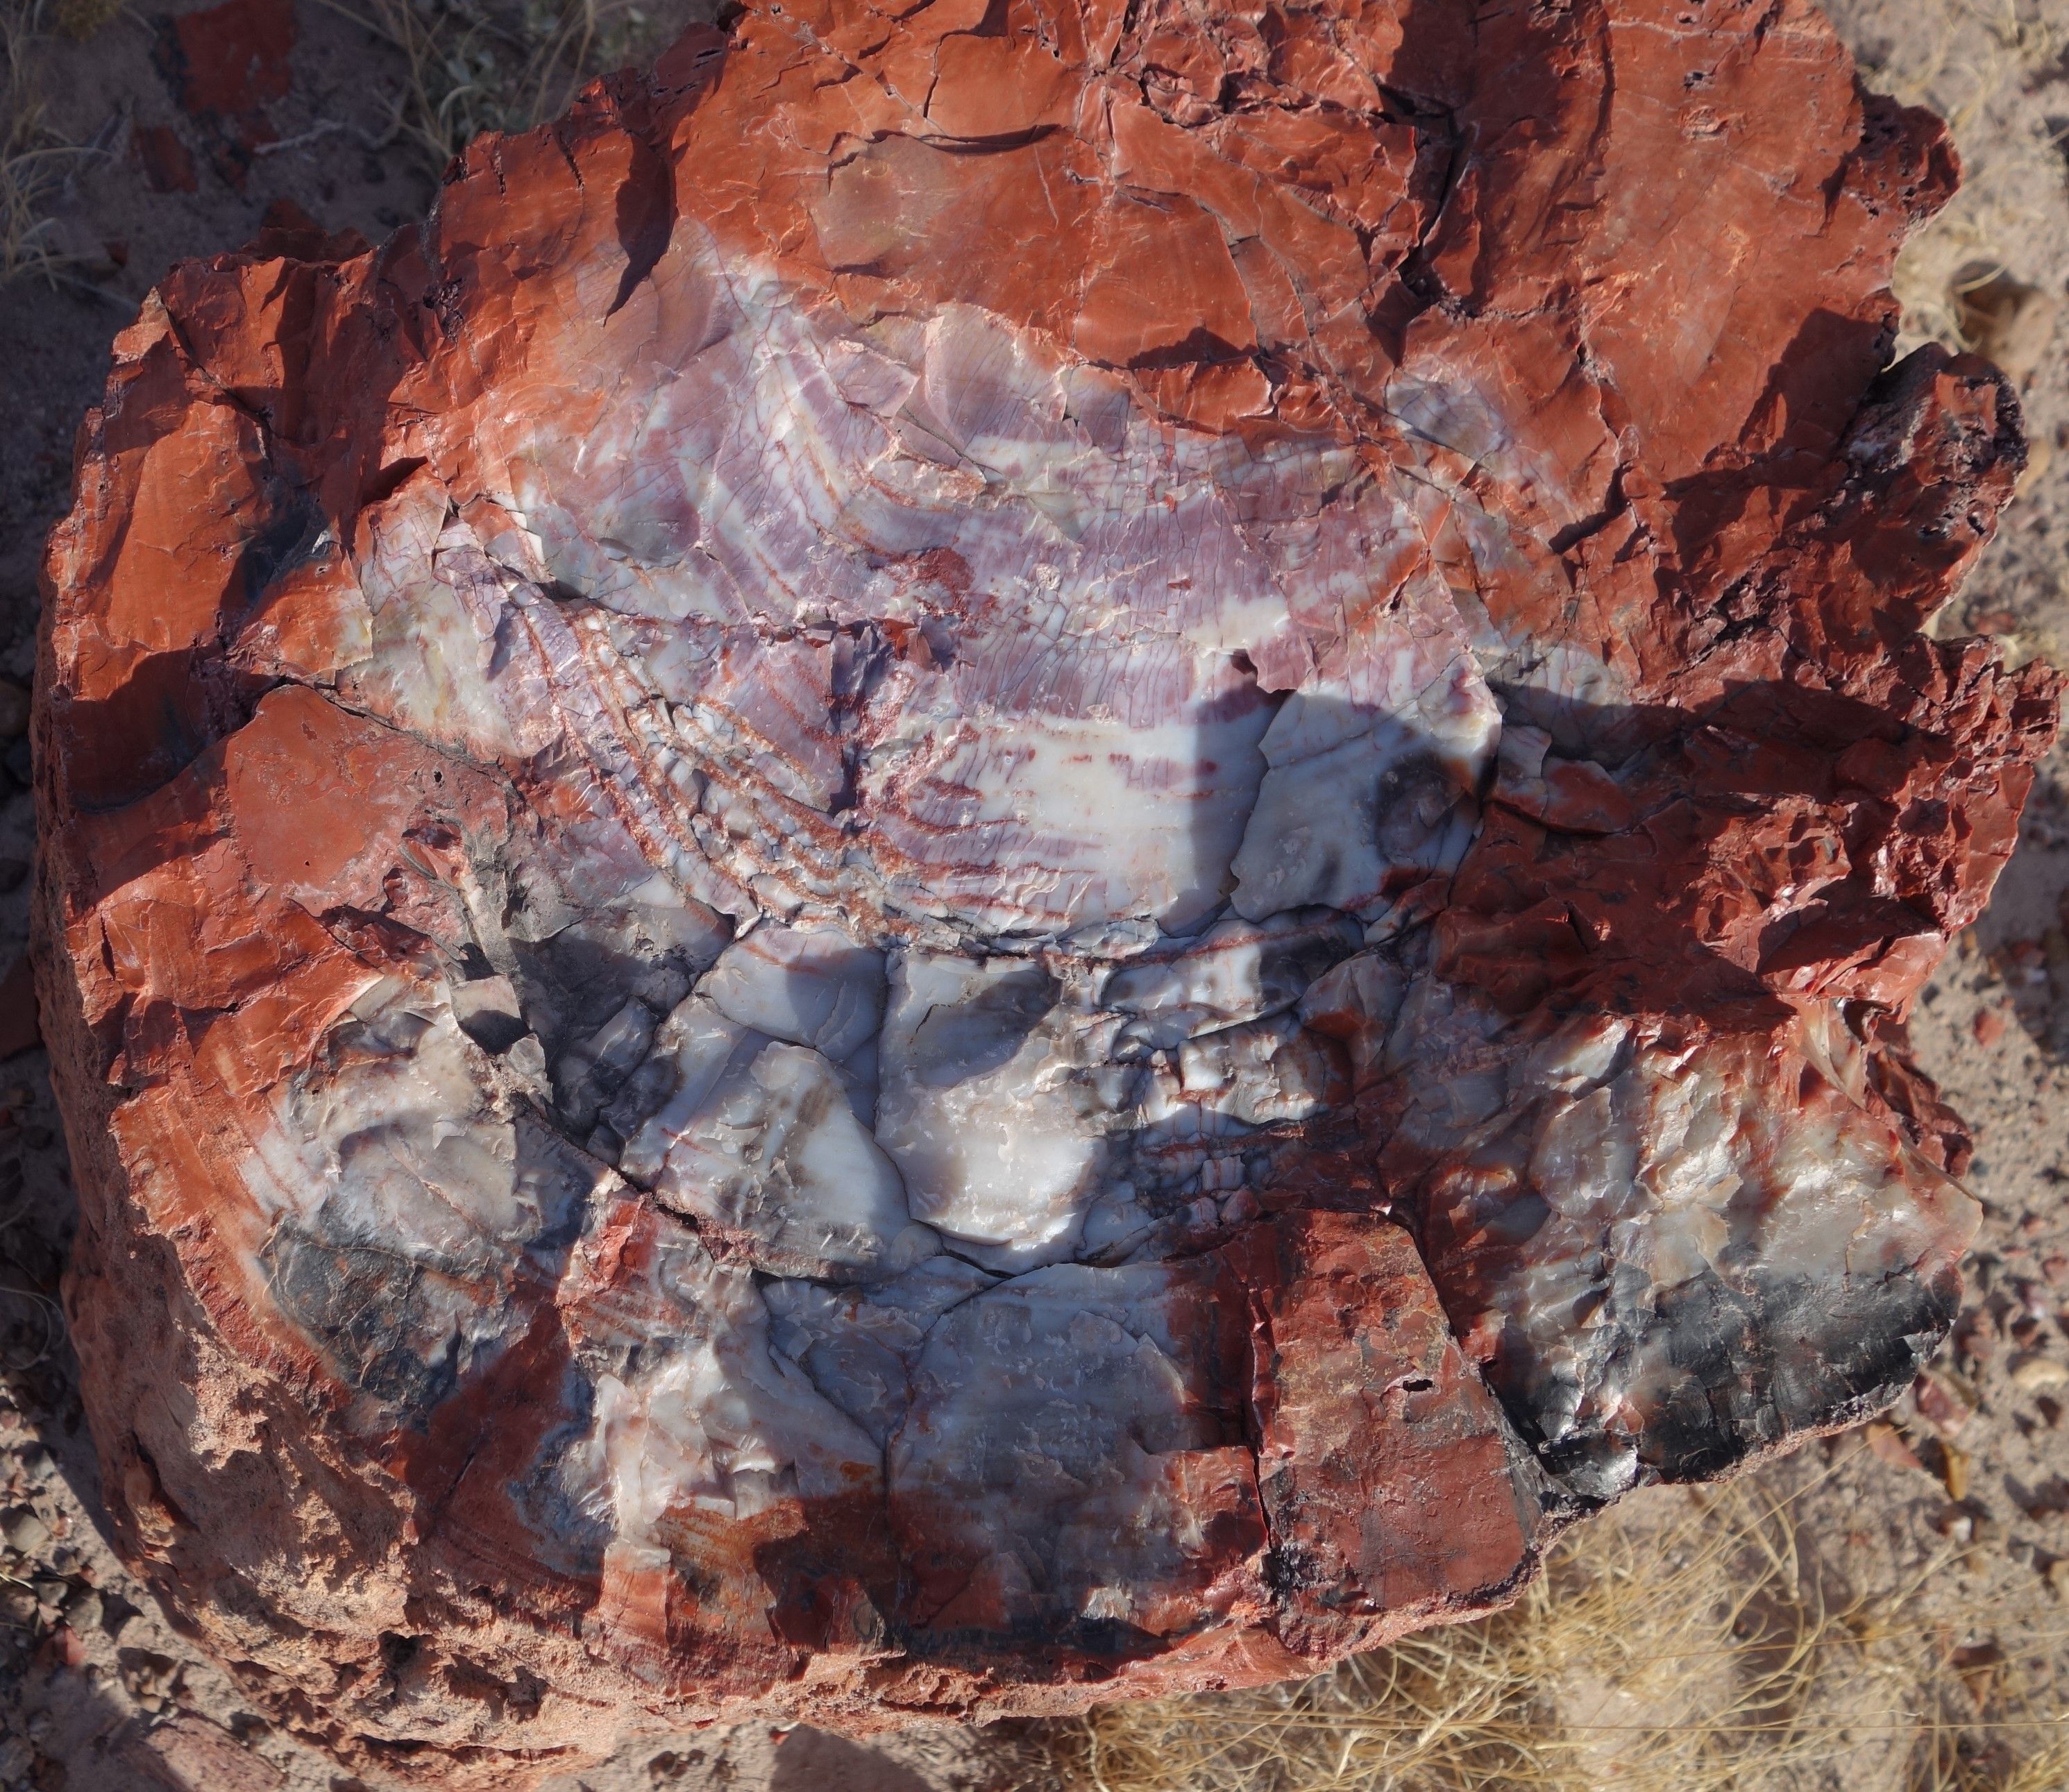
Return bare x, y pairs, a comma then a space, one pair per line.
1012, 855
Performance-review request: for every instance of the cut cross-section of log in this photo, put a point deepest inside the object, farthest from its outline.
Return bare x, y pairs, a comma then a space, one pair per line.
1012, 855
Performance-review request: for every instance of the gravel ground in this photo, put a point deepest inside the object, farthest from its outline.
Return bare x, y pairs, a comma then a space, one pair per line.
1967, 1488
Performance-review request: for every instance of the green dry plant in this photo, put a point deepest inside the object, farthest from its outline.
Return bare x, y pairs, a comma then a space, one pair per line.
472, 66
35, 163
1697, 1654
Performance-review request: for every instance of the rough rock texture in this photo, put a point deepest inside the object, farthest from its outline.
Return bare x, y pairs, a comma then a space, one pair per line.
1012, 855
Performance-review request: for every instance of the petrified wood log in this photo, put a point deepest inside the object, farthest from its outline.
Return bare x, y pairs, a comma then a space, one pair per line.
1014, 854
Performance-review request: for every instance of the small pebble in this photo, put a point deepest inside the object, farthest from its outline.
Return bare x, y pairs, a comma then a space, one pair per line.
1941, 1404
2037, 1373
1975, 1336
26, 1533
1888, 1446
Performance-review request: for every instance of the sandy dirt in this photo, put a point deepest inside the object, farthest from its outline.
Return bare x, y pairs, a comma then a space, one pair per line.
1967, 1488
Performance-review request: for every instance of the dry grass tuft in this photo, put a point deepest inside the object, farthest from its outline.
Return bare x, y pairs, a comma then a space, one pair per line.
35, 164
485, 65
82, 19
1697, 1654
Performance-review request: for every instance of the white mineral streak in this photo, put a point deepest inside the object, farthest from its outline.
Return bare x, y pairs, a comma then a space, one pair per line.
1236, 971
1369, 795
1268, 1071
987, 1105
1040, 784
399, 1135
692, 1409
816, 988
1357, 1004
775, 1152
428, 672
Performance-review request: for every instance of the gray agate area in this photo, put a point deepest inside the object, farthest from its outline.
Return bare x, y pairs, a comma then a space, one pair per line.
954, 888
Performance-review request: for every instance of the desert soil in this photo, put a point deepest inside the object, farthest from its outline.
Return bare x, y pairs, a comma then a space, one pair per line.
1965, 1492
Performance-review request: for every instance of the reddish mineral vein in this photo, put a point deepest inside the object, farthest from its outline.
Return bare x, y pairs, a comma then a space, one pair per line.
1018, 854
